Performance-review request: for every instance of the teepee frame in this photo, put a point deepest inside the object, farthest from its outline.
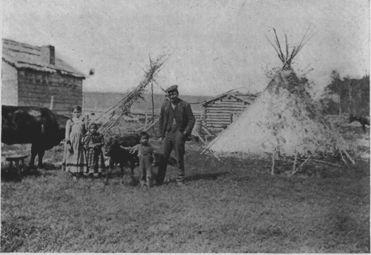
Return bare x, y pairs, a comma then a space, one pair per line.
112, 115
287, 56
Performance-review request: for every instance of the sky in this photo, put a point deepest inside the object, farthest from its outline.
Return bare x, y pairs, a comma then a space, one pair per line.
213, 45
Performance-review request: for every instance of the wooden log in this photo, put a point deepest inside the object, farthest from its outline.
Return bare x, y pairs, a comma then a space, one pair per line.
214, 121
345, 162
218, 119
222, 126
294, 165
273, 162
207, 131
225, 103
301, 165
223, 112
228, 108
326, 163
150, 126
217, 114
349, 157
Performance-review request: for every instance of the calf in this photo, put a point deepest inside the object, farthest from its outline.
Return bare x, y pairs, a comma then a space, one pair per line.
124, 158
361, 119
120, 156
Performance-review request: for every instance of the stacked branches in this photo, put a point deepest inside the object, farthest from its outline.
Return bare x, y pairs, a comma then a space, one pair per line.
111, 117
284, 121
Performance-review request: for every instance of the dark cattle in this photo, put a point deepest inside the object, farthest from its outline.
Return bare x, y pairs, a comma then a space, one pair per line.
38, 126
124, 158
361, 119
120, 156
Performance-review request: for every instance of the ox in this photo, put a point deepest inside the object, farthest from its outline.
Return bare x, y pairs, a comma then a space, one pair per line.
124, 158
361, 119
38, 126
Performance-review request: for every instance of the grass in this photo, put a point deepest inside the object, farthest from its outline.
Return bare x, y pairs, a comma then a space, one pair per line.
228, 206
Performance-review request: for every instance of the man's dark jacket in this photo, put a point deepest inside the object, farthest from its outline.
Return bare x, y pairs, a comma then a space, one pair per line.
183, 116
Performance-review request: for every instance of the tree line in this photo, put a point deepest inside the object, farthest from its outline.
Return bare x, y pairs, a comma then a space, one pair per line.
347, 95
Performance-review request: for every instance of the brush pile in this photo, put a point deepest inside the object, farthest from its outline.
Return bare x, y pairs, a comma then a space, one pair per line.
116, 119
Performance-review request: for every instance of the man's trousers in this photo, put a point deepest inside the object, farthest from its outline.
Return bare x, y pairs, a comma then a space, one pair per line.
173, 140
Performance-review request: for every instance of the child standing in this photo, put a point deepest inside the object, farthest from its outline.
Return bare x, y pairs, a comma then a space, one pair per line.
146, 159
93, 143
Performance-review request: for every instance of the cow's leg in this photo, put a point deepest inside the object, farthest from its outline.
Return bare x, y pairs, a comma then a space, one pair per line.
132, 179
40, 155
122, 172
364, 127
33, 156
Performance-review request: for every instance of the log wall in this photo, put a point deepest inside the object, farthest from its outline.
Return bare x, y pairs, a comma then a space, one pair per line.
37, 88
9, 84
221, 113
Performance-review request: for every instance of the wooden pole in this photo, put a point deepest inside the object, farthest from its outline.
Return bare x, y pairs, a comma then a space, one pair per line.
349, 157
150, 126
294, 165
146, 120
51, 103
350, 105
153, 103
301, 165
273, 161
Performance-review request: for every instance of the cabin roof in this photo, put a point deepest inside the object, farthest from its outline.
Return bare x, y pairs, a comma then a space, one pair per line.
23, 55
247, 98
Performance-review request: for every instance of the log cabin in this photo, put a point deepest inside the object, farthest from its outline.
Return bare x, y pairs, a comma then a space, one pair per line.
37, 76
219, 112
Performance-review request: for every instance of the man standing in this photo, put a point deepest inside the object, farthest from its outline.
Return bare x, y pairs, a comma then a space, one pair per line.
176, 124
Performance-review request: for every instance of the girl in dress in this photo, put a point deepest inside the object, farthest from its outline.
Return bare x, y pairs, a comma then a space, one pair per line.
93, 143
74, 157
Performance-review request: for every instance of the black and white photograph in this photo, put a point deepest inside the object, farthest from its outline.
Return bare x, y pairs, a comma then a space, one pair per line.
185, 126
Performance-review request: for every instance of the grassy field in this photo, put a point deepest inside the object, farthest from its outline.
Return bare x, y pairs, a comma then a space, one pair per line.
226, 206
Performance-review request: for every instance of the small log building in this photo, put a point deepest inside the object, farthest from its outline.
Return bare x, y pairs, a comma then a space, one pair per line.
36, 76
220, 111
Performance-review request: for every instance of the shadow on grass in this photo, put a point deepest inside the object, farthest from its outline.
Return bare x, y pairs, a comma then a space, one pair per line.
205, 176
10, 175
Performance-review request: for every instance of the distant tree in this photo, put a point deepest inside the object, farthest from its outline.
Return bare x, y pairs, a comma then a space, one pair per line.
329, 106
353, 94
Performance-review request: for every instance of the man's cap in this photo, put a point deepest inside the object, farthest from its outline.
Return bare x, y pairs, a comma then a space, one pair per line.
172, 88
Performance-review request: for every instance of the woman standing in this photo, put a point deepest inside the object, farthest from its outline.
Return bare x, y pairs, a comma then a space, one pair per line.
74, 152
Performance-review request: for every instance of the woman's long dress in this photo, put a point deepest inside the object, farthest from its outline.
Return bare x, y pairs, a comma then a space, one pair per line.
74, 154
